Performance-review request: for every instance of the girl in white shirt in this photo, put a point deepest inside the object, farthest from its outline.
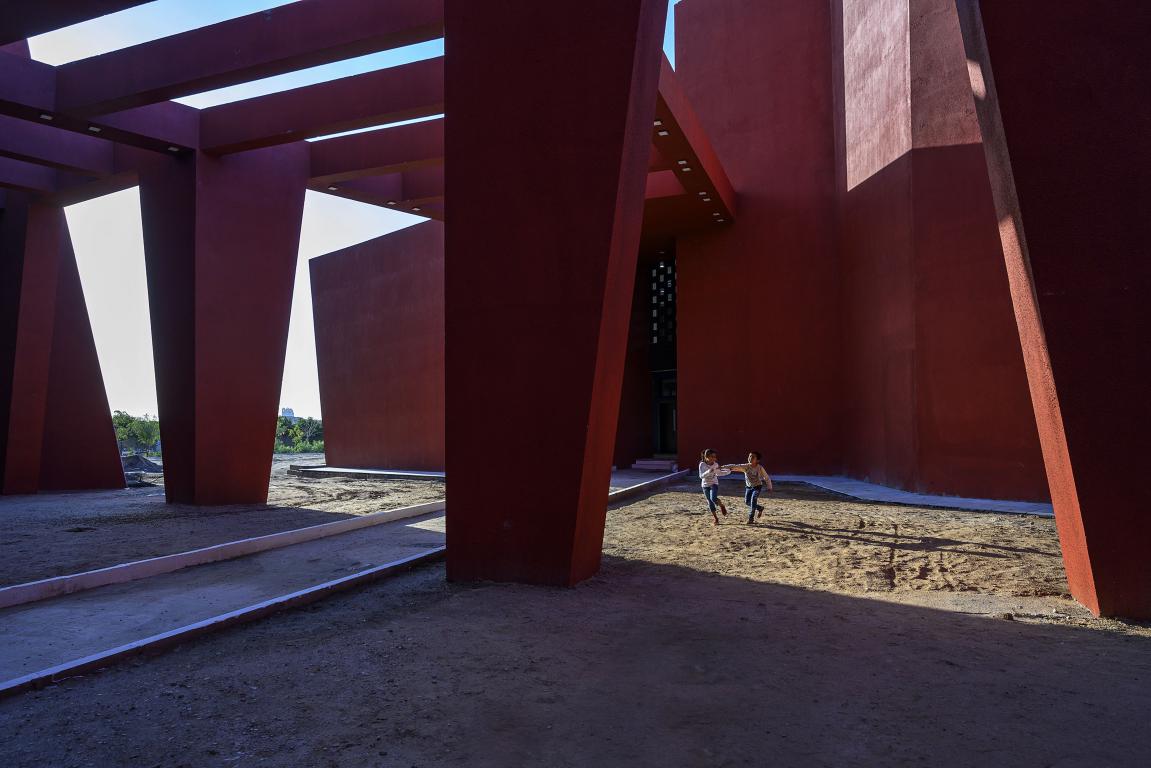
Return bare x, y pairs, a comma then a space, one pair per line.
709, 473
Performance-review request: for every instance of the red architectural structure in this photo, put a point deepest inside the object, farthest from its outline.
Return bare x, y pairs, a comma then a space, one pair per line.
895, 240
383, 402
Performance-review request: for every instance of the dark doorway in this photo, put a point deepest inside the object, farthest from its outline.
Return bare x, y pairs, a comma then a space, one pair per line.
665, 420
662, 354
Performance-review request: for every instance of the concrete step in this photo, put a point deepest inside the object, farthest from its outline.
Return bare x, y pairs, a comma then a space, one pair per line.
655, 465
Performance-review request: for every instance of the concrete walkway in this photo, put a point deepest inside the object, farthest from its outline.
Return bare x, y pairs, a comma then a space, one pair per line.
45, 634
620, 478
858, 489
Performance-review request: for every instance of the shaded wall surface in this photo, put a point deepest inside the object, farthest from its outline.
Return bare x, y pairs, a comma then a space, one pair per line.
856, 318
759, 324
633, 437
934, 386
379, 315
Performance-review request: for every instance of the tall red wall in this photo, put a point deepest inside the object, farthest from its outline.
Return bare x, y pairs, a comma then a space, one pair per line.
934, 382
379, 316
759, 318
865, 260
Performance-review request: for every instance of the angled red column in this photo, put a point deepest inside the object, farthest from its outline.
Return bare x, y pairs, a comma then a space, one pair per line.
30, 337
79, 449
554, 108
58, 430
379, 313
221, 237
1061, 92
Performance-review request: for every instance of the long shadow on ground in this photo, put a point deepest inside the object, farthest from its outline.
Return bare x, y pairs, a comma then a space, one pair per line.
643, 665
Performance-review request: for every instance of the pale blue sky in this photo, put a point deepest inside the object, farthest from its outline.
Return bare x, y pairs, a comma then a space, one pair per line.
107, 235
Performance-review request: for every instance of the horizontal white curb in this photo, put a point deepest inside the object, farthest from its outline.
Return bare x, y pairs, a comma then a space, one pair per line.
648, 485
19, 594
213, 624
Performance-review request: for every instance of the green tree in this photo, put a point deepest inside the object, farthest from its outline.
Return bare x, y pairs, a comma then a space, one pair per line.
311, 430
135, 433
147, 432
287, 433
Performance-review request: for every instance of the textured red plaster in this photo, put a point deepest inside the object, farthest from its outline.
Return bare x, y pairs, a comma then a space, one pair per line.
759, 320
379, 315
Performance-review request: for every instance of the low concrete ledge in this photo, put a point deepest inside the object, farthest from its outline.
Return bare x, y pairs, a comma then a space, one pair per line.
882, 494
33, 591
321, 470
182, 634
646, 487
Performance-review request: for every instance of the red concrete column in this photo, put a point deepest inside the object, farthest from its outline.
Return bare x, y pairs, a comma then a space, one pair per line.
554, 109
79, 450
58, 430
35, 315
379, 315
1060, 90
221, 237
13, 228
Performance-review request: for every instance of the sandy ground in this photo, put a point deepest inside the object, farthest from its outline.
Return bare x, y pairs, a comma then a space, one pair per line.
56, 534
811, 538
833, 634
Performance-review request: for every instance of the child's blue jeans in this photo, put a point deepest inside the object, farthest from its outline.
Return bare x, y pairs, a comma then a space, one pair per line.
751, 496
711, 493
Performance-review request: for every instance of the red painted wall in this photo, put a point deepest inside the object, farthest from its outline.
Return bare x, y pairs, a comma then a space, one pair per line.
759, 317
864, 261
934, 385
379, 315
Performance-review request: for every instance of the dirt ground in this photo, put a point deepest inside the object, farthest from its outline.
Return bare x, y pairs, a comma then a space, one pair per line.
56, 534
834, 633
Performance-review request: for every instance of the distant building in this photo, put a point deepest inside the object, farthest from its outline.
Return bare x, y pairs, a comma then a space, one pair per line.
289, 414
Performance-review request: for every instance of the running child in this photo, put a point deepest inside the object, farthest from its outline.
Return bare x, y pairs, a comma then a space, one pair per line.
709, 473
756, 480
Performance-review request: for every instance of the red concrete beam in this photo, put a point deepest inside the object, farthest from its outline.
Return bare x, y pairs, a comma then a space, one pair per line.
377, 153
686, 146
1060, 94
537, 310
28, 92
44, 145
295, 36
23, 19
27, 177
374, 98
221, 237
